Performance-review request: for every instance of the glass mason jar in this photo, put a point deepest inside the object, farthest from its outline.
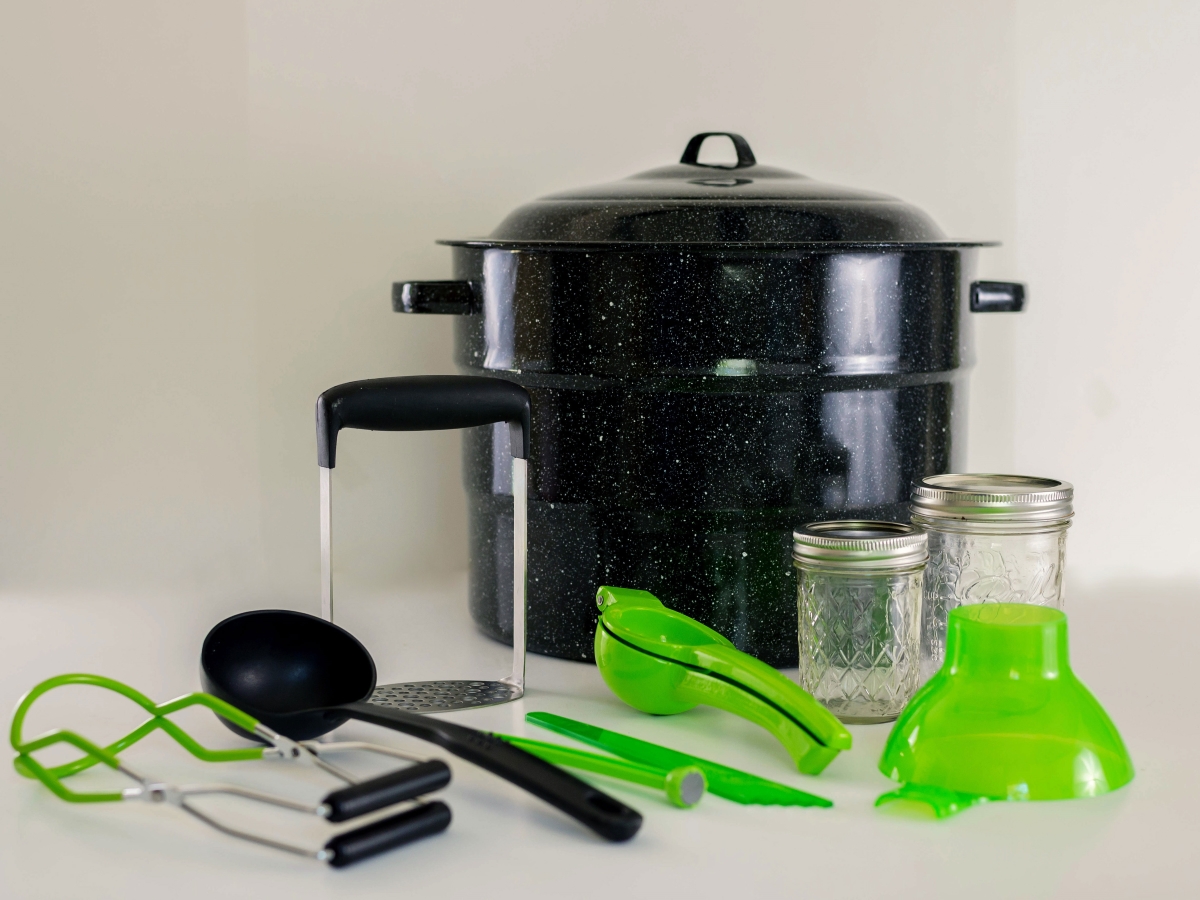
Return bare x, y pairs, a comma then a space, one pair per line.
860, 610
992, 539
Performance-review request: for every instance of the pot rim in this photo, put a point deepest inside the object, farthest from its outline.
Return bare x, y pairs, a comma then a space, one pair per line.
722, 246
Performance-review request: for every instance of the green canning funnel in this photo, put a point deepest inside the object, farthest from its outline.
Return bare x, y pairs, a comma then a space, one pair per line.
662, 662
1004, 719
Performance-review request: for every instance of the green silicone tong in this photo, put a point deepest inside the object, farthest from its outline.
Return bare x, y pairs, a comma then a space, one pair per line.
662, 662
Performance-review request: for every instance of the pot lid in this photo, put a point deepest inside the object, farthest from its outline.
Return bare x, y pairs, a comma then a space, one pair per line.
695, 203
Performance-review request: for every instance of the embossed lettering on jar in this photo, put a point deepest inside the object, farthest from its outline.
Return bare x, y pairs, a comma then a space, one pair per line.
992, 539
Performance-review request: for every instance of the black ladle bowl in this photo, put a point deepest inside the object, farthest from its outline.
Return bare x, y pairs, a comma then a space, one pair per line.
303, 677
289, 670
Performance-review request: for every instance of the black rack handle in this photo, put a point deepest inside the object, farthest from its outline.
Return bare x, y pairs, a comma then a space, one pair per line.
421, 403
691, 153
386, 834
387, 790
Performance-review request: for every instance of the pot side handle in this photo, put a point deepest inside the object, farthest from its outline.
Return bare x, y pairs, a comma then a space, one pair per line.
456, 298
997, 296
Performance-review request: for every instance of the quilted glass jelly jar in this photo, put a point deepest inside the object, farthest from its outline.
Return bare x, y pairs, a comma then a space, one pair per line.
992, 539
860, 611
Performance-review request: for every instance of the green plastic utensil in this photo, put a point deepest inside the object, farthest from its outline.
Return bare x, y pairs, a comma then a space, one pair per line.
732, 784
26, 765
403, 787
683, 784
1004, 719
662, 662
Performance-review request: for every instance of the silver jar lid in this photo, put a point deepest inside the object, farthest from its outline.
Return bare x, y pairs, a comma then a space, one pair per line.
1011, 499
860, 545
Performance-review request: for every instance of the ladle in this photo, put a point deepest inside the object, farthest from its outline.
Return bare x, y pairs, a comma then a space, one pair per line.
303, 676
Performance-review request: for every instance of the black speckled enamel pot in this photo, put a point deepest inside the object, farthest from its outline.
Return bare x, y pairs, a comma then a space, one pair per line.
716, 355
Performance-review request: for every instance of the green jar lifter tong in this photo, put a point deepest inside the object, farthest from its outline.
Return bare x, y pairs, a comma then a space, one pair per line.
404, 786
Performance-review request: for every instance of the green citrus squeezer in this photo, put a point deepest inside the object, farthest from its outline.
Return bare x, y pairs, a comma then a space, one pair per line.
660, 661
1004, 719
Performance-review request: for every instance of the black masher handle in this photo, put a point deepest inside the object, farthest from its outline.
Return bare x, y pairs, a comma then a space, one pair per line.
387, 789
421, 403
605, 815
387, 834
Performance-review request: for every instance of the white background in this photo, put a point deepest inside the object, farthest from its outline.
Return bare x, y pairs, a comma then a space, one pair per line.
203, 206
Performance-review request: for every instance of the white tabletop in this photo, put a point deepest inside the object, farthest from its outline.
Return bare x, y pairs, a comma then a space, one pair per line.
1133, 647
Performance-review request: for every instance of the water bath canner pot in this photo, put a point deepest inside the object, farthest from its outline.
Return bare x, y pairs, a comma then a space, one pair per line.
716, 354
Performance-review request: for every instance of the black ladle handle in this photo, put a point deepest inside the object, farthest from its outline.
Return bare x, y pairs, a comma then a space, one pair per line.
605, 815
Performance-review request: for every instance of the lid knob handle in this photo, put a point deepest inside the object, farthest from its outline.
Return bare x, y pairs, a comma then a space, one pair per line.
691, 154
